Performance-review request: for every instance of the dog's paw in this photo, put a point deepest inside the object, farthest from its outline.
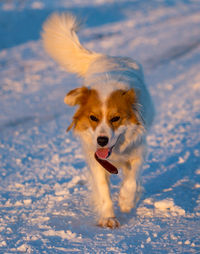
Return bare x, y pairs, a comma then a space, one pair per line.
110, 222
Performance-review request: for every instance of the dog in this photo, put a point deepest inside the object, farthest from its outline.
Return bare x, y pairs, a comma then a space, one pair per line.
114, 113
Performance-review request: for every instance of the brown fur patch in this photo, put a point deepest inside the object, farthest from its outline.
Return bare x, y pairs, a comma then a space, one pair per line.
90, 105
89, 114
77, 96
120, 108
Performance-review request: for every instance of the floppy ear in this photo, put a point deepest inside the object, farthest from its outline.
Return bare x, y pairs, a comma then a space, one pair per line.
130, 96
77, 96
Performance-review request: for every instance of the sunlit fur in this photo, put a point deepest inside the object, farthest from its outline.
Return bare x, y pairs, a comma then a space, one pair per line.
113, 102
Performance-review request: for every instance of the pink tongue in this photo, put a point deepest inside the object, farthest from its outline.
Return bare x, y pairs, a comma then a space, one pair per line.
102, 153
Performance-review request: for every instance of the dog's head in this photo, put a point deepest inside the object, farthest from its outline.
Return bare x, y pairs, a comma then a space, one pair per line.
104, 120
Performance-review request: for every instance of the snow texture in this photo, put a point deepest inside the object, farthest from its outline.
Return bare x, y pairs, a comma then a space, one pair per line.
44, 196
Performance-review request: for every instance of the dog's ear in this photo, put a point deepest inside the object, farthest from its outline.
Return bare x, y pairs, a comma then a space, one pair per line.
77, 96
130, 96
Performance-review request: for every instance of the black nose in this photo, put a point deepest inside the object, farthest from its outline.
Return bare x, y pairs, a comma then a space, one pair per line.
102, 140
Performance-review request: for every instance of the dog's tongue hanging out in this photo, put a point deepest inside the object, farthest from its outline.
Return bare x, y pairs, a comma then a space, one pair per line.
101, 155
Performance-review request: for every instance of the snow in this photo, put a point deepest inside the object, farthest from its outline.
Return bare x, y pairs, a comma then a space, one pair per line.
44, 196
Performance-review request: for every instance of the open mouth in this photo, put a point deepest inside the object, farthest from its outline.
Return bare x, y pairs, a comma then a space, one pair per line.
101, 155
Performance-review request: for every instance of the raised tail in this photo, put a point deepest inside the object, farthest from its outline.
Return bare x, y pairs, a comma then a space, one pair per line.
62, 44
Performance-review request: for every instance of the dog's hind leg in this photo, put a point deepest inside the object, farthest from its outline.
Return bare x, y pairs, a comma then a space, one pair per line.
130, 189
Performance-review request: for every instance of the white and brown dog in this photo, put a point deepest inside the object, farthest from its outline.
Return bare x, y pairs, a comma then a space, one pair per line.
114, 113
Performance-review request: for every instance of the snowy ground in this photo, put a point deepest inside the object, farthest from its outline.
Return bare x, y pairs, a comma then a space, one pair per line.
44, 202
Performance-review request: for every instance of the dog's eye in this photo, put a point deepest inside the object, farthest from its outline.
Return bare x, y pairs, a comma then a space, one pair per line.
94, 118
115, 119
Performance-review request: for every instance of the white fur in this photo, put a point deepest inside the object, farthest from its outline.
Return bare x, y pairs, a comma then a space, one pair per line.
105, 74
62, 44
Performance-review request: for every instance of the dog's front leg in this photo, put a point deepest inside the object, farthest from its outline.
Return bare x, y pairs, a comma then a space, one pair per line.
130, 189
101, 196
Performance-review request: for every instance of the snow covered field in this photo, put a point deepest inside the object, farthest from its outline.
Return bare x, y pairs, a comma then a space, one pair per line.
44, 198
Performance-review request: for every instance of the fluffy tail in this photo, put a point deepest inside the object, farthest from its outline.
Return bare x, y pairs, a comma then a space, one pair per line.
62, 44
